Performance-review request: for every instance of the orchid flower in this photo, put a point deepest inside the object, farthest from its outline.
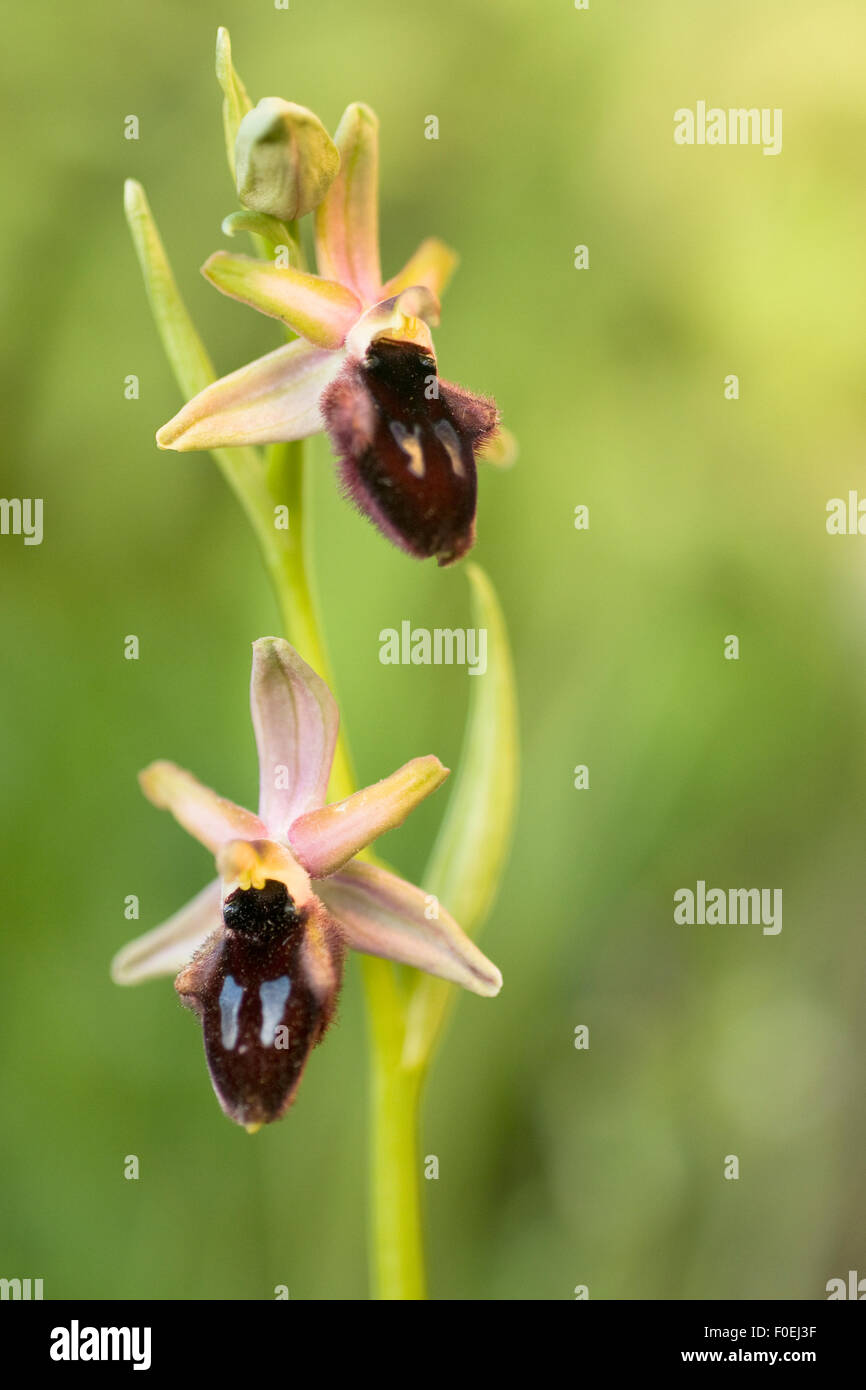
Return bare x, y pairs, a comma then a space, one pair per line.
363, 367
260, 952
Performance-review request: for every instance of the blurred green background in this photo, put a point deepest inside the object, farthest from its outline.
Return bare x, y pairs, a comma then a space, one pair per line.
707, 517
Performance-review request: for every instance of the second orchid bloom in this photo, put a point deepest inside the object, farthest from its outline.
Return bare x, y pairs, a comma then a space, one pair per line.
363, 366
260, 950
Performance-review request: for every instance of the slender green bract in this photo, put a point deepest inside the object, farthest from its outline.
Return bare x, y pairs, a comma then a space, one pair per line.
236, 102
465, 868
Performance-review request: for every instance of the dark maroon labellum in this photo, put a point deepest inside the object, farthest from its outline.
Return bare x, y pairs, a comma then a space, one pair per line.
407, 443
261, 1005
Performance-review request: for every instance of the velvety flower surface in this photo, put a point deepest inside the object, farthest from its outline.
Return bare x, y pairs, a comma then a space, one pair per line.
363, 367
260, 949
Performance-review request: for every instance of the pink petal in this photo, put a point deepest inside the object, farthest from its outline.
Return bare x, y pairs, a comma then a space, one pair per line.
166, 949
383, 915
210, 818
326, 839
322, 311
271, 399
347, 222
295, 718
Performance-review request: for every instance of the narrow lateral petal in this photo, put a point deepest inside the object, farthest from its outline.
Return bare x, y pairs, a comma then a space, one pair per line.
326, 839
322, 311
271, 399
166, 949
347, 222
384, 915
432, 266
210, 818
295, 718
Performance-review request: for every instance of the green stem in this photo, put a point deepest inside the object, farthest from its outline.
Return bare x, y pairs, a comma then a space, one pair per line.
288, 561
397, 1247
397, 1250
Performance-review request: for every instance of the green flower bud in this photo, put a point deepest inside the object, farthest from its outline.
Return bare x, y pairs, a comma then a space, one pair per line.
285, 160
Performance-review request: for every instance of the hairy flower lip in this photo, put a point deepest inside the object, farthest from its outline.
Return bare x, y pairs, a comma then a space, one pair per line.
406, 444
292, 979
264, 999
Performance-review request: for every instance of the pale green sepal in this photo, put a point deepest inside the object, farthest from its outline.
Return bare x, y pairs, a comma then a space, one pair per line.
321, 310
